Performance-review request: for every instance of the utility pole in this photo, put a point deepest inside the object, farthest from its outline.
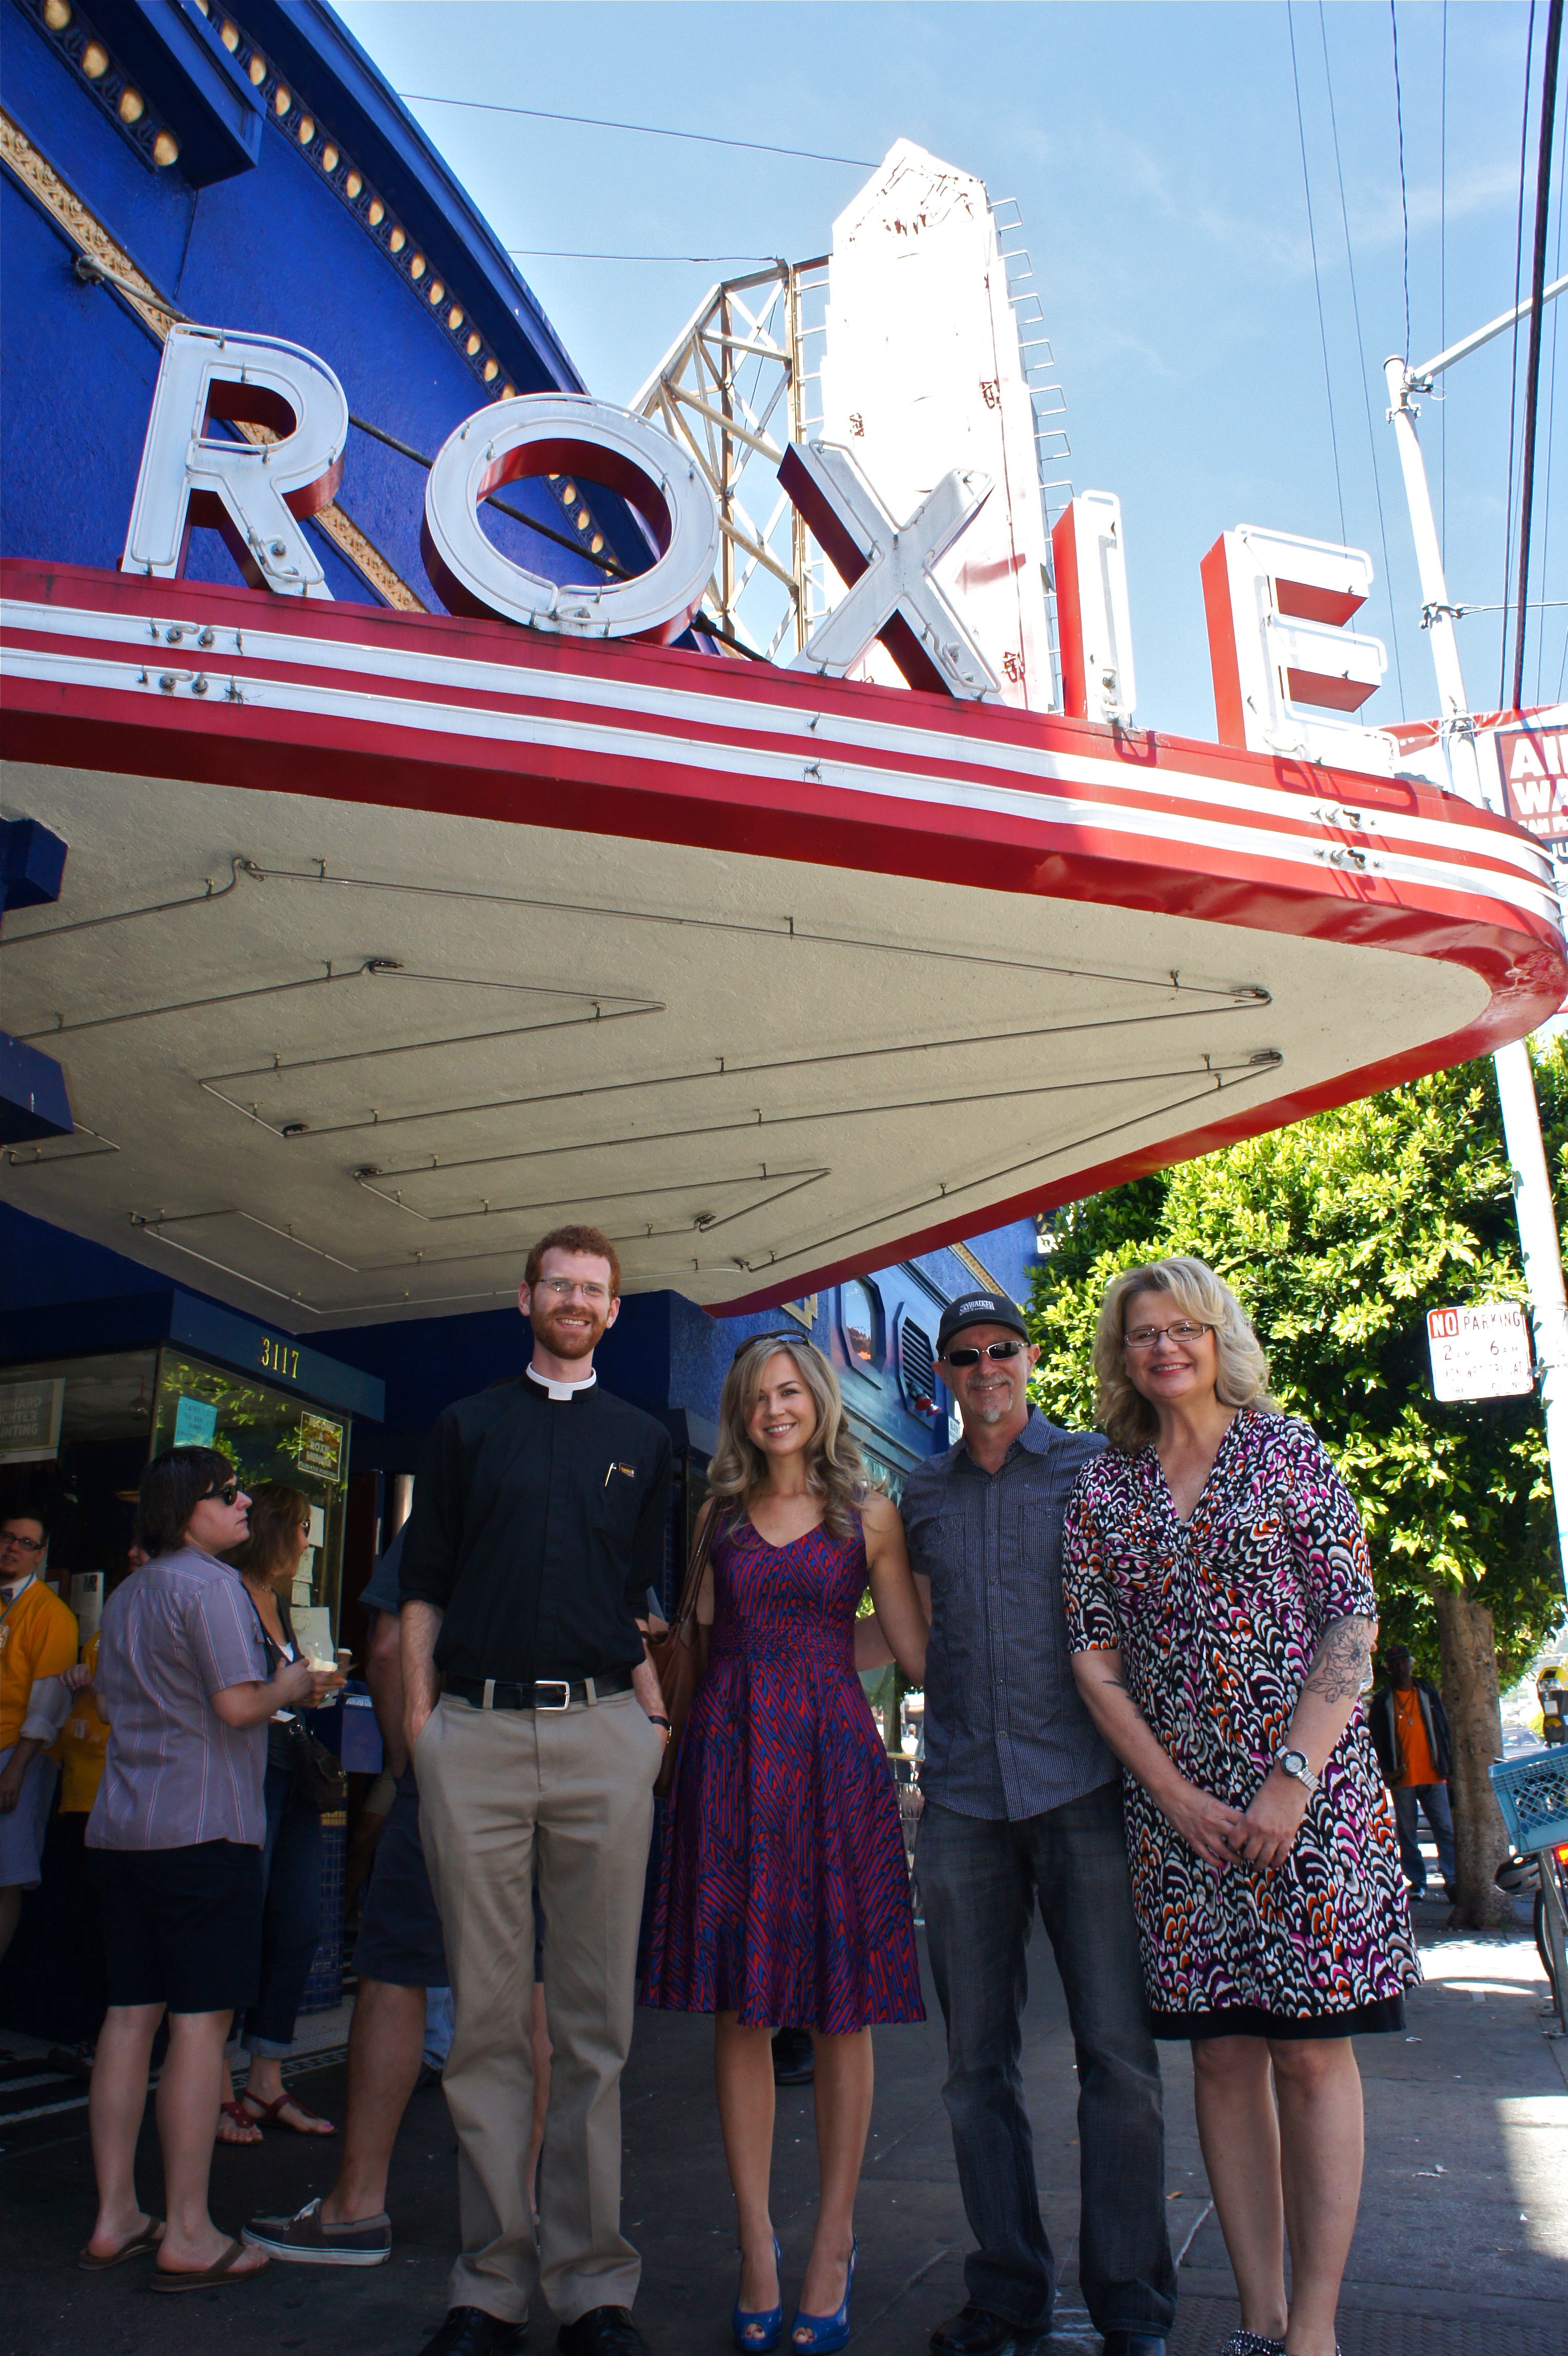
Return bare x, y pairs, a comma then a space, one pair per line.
1538, 1244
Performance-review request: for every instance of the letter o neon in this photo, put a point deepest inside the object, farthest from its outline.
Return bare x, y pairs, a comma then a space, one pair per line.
569, 433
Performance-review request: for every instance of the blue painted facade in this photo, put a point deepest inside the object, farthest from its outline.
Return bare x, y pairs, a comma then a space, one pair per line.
254, 170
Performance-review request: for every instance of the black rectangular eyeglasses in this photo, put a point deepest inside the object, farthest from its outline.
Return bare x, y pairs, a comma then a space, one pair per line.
972, 1357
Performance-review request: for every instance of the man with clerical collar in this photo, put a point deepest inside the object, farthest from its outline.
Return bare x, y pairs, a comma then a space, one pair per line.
535, 1727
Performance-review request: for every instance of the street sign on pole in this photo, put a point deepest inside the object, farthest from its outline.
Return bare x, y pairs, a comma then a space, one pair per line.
1481, 1352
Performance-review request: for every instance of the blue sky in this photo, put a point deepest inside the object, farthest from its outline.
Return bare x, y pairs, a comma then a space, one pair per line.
1156, 154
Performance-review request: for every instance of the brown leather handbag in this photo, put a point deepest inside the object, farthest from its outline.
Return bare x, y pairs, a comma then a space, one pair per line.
680, 1656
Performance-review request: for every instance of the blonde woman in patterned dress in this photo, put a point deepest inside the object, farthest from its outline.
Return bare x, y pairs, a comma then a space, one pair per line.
1221, 1608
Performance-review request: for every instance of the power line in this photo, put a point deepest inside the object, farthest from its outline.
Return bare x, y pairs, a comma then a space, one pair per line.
648, 130
1551, 428
1361, 355
1532, 362
1442, 285
559, 253
1404, 201
1514, 388
1317, 278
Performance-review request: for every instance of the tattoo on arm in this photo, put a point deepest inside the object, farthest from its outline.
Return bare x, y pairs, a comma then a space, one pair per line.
1339, 1666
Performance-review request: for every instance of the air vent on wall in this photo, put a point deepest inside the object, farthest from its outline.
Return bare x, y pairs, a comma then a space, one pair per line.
917, 1366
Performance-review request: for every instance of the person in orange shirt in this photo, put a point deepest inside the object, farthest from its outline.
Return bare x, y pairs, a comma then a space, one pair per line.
37, 1644
1409, 1727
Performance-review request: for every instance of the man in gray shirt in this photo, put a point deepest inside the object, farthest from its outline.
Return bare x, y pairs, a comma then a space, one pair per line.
1023, 1807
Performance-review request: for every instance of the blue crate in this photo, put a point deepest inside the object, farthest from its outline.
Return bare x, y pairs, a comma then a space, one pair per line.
1533, 1794
324, 1988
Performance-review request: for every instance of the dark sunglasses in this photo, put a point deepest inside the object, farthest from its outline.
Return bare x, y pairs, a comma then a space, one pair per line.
972, 1357
228, 1493
753, 1339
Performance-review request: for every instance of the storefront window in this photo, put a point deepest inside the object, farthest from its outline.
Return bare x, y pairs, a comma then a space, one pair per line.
74, 1435
267, 1435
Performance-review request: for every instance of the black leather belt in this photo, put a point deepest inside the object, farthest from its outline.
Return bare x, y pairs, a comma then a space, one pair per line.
549, 1694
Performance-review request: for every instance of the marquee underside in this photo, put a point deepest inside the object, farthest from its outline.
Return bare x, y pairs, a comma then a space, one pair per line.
349, 1011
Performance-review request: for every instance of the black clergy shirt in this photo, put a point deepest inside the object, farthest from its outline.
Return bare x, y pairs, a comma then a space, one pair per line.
538, 1527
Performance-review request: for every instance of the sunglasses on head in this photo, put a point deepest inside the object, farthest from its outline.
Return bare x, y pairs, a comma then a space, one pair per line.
970, 1357
227, 1494
752, 1340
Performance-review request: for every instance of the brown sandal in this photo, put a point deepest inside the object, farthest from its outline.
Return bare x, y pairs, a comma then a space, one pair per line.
269, 2114
214, 2277
138, 2246
241, 2119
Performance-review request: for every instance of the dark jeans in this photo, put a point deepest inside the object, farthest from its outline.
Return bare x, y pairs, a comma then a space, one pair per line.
981, 1881
1434, 1799
291, 1922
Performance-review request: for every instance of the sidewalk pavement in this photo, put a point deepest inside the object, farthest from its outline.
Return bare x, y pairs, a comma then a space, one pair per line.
1462, 2249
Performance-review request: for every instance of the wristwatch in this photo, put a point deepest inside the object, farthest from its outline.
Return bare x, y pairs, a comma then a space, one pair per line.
1294, 1763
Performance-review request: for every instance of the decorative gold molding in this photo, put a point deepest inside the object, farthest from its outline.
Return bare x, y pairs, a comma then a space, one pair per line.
977, 1268
89, 235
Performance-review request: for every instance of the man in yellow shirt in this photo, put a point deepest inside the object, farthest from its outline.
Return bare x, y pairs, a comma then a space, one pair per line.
37, 1644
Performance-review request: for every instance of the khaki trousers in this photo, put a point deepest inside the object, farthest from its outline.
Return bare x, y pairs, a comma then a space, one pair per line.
501, 1792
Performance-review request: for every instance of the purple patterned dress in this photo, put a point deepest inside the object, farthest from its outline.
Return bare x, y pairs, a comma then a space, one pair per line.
1217, 1620
783, 1895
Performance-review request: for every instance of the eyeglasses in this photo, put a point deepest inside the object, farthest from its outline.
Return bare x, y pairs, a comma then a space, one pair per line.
1146, 1336
752, 1340
28, 1546
564, 1287
968, 1357
228, 1495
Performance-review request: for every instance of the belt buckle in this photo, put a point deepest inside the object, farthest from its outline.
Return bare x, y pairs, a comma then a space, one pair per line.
554, 1708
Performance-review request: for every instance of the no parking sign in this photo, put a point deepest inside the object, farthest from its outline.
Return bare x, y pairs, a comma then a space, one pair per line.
1482, 1352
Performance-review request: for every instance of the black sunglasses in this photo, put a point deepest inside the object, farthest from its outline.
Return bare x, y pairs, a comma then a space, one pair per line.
753, 1339
972, 1357
229, 1493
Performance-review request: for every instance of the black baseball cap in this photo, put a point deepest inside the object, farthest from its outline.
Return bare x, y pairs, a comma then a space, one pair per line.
979, 1308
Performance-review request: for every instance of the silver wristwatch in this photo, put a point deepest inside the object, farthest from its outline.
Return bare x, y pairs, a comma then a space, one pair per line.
1294, 1763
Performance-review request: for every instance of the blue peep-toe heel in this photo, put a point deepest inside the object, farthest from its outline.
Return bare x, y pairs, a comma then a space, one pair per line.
825, 2332
767, 2323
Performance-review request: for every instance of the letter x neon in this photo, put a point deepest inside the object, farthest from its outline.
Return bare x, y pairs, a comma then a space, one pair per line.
887, 571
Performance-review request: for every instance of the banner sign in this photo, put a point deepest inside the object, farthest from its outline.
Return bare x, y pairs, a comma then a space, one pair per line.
1483, 1353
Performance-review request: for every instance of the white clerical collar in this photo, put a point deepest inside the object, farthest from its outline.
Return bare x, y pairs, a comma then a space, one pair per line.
8, 1594
561, 1390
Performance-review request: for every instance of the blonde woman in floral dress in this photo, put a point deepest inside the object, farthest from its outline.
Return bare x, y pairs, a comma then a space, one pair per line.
1221, 1608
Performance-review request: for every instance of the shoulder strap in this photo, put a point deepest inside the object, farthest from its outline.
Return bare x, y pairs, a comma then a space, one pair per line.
702, 1553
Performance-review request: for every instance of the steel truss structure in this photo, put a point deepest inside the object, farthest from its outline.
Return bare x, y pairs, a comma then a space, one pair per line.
743, 378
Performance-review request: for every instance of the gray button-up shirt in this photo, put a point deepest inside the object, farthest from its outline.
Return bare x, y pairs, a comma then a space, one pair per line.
1006, 1734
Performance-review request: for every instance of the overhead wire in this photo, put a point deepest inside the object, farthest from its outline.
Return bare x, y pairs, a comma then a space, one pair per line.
1442, 285
1552, 423
1513, 364
559, 253
1532, 362
1405, 200
646, 130
1361, 356
1316, 274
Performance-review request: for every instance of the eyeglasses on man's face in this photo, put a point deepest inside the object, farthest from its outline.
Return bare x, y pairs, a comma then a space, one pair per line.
15, 1538
562, 1288
1144, 1337
970, 1357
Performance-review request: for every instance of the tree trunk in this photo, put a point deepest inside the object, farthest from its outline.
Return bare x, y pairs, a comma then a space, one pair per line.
1474, 1716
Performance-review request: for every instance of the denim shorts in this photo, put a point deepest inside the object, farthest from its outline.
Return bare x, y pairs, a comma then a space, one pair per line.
400, 1929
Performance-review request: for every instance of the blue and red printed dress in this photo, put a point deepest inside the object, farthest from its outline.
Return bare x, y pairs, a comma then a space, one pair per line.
783, 1893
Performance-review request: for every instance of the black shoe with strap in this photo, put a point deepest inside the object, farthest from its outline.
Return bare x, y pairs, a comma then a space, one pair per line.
977, 2332
472, 2331
603, 2332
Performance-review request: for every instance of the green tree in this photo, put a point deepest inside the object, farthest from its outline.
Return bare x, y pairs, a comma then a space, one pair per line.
1338, 1234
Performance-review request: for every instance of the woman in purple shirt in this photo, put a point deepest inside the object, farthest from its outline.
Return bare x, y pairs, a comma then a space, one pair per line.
174, 1844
